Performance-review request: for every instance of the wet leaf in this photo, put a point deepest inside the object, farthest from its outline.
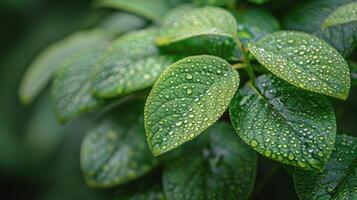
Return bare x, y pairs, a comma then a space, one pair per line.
337, 180
206, 30
71, 89
221, 168
186, 99
39, 73
304, 61
130, 64
115, 150
284, 123
151, 9
343, 14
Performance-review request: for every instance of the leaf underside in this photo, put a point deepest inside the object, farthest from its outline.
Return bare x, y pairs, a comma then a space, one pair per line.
187, 98
284, 123
304, 61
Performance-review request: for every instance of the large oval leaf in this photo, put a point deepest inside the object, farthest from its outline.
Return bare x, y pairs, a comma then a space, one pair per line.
222, 168
114, 151
41, 69
151, 9
71, 88
187, 98
304, 61
284, 123
337, 180
343, 14
131, 63
206, 30
308, 16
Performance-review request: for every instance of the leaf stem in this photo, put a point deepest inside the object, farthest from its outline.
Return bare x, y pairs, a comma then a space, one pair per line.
246, 61
238, 66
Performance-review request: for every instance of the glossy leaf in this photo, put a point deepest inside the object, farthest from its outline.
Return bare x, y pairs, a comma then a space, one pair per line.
343, 14
255, 24
71, 88
186, 99
304, 61
309, 16
284, 123
39, 73
222, 168
131, 63
206, 30
338, 179
114, 151
151, 9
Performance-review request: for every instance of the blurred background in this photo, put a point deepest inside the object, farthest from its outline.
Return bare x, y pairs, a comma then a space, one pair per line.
39, 159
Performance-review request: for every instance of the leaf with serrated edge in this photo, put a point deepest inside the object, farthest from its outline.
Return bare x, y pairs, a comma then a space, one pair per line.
186, 99
343, 14
221, 168
131, 63
193, 31
305, 61
284, 123
337, 181
41, 69
151, 9
114, 151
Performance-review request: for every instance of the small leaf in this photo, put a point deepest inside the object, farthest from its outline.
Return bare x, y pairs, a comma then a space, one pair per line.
151, 9
186, 99
193, 31
304, 61
337, 180
115, 151
223, 168
71, 88
131, 63
343, 14
41, 69
120, 22
284, 123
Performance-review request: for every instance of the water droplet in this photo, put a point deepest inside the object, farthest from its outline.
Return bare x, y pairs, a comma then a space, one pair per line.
189, 91
254, 143
179, 123
189, 76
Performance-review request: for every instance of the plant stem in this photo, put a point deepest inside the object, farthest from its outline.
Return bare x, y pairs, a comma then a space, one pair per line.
246, 61
238, 66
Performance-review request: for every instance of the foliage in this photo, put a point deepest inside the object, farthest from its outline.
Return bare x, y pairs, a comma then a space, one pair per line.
162, 73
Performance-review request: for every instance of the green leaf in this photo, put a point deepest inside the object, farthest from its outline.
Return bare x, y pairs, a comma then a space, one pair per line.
151, 9
255, 24
71, 88
343, 14
41, 69
114, 151
304, 61
186, 99
337, 180
258, 1
130, 64
223, 168
119, 22
193, 31
309, 16
215, 2
353, 67
284, 123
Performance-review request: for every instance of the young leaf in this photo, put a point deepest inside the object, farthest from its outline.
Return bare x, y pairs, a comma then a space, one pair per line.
132, 63
337, 180
343, 14
186, 99
308, 16
151, 9
115, 152
304, 61
255, 24
284, 123
206, 30
223, 168
41, 69
71, 89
